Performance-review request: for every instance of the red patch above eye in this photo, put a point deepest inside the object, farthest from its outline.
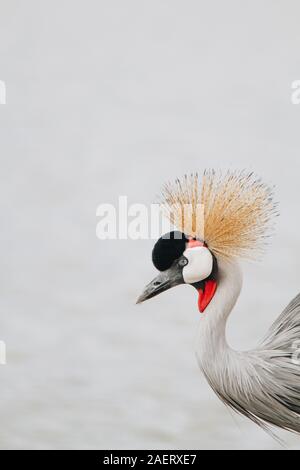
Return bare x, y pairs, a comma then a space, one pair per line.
192, 243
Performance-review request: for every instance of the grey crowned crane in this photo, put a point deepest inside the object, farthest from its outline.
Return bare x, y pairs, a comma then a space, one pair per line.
235, 218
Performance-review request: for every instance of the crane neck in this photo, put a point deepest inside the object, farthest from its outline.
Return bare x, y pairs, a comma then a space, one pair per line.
211, 341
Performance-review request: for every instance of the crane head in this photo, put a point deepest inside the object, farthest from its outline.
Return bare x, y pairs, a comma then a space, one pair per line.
231, 211
183, 260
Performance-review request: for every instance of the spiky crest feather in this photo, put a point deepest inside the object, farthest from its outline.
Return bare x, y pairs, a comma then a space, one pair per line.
232, 212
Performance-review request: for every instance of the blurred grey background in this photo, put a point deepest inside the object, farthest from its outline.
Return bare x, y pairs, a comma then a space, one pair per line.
114, 98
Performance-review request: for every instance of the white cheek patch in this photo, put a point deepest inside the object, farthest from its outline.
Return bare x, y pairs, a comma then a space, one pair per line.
200, 264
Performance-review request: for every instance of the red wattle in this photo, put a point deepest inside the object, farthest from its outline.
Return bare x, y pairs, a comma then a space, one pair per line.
206, 295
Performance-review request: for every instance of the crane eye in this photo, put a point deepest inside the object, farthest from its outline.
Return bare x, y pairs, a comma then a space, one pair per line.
183, 261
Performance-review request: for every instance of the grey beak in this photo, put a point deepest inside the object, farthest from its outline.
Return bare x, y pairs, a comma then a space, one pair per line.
170, 278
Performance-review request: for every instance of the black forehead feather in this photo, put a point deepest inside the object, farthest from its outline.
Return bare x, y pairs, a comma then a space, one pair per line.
167, 249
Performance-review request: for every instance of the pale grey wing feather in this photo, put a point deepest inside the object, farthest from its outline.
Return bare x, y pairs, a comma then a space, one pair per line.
285, 331
281, 363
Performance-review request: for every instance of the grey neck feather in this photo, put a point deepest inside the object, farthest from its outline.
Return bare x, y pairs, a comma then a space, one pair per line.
211, 340
263, 384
